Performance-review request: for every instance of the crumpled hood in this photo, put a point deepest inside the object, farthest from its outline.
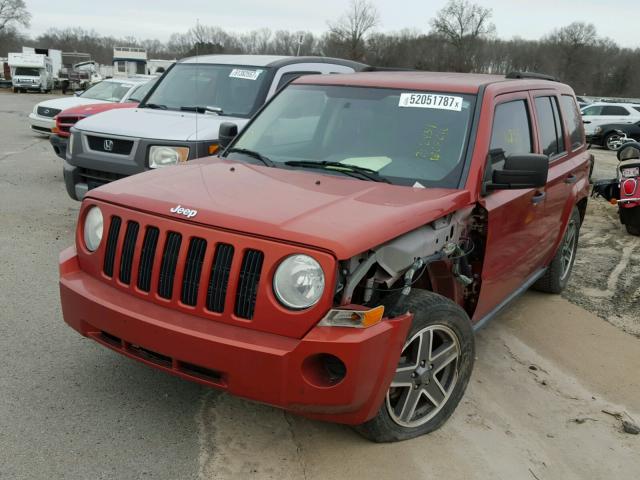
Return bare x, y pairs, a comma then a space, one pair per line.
157, 124
342, 215
67, 102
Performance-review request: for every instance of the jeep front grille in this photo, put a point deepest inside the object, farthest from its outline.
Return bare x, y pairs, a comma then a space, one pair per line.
186, 258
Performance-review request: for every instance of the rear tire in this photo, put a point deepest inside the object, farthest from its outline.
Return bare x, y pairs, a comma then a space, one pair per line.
633, 230
433, 372
609, 142
558, 273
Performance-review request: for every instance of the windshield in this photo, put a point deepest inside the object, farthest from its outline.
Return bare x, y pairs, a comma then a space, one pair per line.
407, 137
141, 91
109, 91
27, 72
237, 90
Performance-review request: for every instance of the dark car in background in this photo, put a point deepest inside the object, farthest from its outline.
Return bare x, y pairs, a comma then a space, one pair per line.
608, 135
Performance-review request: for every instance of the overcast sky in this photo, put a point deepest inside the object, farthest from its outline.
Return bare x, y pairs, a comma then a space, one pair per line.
159, 18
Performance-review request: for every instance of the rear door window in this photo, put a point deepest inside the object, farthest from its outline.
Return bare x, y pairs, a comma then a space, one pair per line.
512, 128
614, 111
549, 126
571, 115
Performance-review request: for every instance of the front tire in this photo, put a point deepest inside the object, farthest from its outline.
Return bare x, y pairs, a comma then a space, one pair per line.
433, 371
558, 273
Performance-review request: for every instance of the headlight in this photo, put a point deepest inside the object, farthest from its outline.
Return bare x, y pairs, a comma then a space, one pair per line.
163, 156
298, 282
93, 229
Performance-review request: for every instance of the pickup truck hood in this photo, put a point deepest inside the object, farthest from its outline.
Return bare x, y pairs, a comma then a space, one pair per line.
339, 214
67, 102
157, 124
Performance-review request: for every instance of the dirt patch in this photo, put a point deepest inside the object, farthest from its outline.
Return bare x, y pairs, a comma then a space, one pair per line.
606, 274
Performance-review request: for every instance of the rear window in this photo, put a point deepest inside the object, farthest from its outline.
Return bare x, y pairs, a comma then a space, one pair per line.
572, 116
549, 126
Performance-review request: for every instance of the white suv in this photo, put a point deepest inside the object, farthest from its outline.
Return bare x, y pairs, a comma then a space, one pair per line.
601, 113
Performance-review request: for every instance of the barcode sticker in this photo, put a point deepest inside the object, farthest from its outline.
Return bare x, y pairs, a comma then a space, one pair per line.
431, 100
246, 74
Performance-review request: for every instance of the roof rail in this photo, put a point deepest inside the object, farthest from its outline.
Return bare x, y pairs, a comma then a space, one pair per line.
387, 69
529, 75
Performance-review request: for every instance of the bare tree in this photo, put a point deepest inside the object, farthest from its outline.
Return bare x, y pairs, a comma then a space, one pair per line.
12, 13
462, 24
352, 29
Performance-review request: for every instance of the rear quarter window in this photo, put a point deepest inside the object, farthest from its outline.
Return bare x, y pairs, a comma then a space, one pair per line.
573, 118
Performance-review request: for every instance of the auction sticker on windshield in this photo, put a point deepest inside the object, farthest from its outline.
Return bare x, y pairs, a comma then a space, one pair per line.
431, 100
246, 74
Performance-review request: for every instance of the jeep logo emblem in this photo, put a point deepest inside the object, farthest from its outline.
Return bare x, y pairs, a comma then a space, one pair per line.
108, 145
187, 212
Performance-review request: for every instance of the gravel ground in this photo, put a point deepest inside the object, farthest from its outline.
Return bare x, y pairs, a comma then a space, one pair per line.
73, 410
606, 276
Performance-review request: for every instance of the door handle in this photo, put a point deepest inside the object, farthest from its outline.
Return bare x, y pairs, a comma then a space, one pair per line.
571, 179
538, 197
586, 121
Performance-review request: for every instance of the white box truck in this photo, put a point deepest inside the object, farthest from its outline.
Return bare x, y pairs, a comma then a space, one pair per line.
31, 71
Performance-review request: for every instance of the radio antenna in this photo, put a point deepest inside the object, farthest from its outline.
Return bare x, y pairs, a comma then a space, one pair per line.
196, 85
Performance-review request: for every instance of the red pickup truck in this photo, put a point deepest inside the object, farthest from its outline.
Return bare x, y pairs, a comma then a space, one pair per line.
338, 255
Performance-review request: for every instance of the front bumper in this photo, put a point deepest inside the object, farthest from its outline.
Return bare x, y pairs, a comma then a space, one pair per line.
59, 145
40, 124
268, 368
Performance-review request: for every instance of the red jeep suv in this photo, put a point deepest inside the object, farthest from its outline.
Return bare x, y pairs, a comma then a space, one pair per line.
338, 255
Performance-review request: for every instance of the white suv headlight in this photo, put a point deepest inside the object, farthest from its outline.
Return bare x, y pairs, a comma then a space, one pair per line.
163, 156
93, 223
298, 282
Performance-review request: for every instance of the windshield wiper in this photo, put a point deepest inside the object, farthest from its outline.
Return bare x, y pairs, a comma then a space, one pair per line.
253, 154
345, 168
206, 109
156, 106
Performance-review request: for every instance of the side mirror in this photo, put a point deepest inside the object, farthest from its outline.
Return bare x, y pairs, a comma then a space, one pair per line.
520, 171
226, 133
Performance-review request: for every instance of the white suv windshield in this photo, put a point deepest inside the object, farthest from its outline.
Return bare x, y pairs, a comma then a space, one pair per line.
403, 136
27, 72
109, 91
235, 90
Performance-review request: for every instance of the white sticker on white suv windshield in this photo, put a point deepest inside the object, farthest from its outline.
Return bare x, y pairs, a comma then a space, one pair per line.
431, 100
246, 74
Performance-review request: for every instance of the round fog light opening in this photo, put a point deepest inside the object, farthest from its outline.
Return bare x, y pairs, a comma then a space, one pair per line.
323, 370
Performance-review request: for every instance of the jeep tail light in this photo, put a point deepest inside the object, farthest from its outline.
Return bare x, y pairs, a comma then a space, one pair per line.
629, 186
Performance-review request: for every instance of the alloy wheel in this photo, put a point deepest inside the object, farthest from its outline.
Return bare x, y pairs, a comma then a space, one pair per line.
426, 376
568, 248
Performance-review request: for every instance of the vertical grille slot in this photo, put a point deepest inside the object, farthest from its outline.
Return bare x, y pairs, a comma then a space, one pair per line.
112, 243
219, 279
192, 270
248, 283
168, 266
128, 249
147, 256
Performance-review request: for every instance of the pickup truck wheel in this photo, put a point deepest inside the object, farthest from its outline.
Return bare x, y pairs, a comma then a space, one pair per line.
433, 372
558, 273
